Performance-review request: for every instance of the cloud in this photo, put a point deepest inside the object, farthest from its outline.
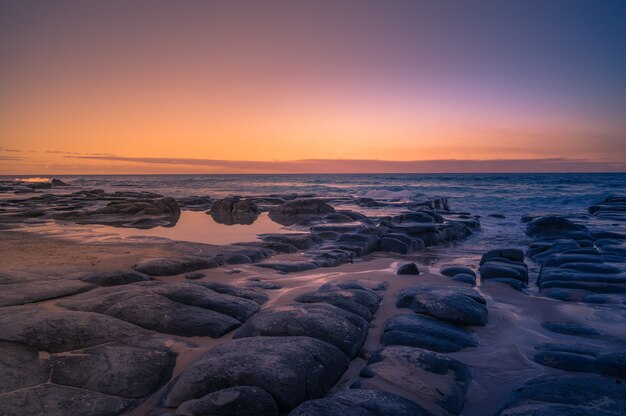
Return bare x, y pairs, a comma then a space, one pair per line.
61, 152
10, 158
380, 166
4, 149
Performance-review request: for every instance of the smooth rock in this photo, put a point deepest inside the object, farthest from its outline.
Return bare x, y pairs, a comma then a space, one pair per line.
234, 401
408, 268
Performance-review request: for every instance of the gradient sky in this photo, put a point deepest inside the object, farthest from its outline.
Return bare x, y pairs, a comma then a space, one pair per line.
130, 86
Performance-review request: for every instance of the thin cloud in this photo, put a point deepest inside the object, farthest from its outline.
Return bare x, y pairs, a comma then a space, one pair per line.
4, 149
11, 158
382, 166
61, 152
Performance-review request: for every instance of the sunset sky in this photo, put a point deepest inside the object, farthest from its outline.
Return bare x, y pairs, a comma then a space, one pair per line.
311, 86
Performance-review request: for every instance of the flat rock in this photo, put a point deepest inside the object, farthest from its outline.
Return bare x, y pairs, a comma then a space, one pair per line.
301, 241
360, 402
426, 332
252, 294
234, 401
360, 302
37, 291
290, 369
115, 277
465, 278
55, 331
20, 367
53, 400
555, 227
462, 306
452, 271
571, 328
151, 310
130, 371
581, 358
300, 209
285, 267
325, 322
566, 394
172, 266
434, 381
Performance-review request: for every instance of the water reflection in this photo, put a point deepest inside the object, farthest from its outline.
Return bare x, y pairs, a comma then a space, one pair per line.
202, 228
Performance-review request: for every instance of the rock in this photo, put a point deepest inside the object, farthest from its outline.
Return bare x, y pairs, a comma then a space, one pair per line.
511, 254
425, 332
300, 209
581, 358
460, 306
500, 216
171, 266
290, 369
301, 241
37, 291
372, 288
285, 267
115, 277
55, 331
195, 275
331, 257
400, 243
465, 278
436, 380
452, 271
257, 296
57, 182
325, 322
152, 310
554, 227
234, 210
360, 302
566, 394
571, 328
119, 370
359, 402
408, 268
196, 203
341, 229
20, 367
234, 401
53, 400
263, 284
360, 244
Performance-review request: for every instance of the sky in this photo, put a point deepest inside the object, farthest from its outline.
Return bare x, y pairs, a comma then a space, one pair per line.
233, 86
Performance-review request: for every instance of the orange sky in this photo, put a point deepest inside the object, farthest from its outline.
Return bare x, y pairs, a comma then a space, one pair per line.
129, 84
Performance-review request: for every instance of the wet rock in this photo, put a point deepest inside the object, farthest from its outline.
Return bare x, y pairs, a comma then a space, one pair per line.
235, 401
505, 266
371, 287
581, 358
400, 243
437, 381
452, 271
360, 244
263, 284
234, 210
408, 268
285, 267
555, 227
55, 331
152, 310
194, 275
457, 305
115, 277
130, 371
53, 400
301, 241
612, 208
571, 328
359, 402
566, 394
465, 278
290, 369
418, 217
325, 322
429, 333
440, 203
57, 182
36, 291
331, 257
196, 203
171, 266
360, 302
255, 295
20, 367
300, 209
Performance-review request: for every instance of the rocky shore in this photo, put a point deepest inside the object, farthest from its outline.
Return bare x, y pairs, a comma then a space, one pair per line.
346, 313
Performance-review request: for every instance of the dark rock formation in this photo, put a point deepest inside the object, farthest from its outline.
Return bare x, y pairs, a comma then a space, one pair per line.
460, 306
408, 268
426, 332
234, 401
234, 210
298, 210
290, 369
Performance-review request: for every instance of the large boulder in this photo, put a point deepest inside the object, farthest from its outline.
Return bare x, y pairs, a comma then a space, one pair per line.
358, 301
334, 325
234, 401
554, 226
290, 369
171, 266
461, 306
